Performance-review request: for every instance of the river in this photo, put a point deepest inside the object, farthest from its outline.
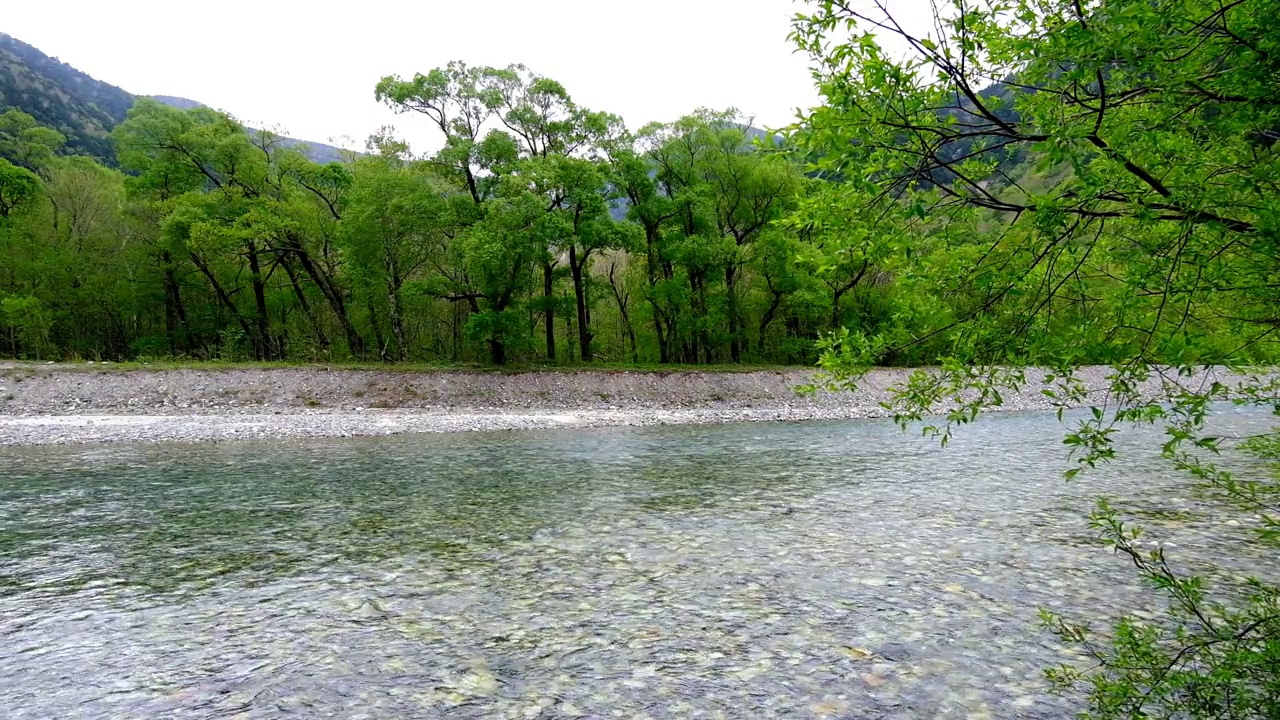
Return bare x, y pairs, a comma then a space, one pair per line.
840, 569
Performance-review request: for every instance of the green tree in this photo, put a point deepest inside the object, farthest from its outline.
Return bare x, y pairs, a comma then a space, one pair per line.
218, 240
29, 324
1057, 183
26, 143
390, 230
499, 252
725, 193
544, 146
459, 100
633, 176
18, 187
238, 201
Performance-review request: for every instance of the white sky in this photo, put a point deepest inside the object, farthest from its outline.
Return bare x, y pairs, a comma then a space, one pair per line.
309, 68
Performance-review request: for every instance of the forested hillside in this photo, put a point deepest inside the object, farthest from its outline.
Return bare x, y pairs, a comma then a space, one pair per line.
82, 109
60, 97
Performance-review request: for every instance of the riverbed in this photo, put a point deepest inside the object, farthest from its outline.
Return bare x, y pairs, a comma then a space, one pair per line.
790, 570
63, 403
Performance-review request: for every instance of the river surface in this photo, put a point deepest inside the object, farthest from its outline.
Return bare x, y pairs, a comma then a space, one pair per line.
787, 570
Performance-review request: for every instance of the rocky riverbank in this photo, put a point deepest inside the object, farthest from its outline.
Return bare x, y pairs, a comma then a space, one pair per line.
47, 404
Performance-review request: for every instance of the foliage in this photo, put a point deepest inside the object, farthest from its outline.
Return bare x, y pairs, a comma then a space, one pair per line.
26, 321
540, 231
18, 187
26, 143
1140, 231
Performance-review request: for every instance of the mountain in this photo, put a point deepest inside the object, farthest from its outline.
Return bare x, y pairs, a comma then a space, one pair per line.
61, 97
999, 99
82, 108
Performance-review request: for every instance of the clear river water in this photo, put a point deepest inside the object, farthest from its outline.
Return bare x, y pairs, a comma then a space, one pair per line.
823, 570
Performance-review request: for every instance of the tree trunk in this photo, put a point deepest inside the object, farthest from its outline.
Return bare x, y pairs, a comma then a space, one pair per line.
549, 312
222, 295
394, 311
838, 293
396, 318
769, 315
377, 331
580, 294
651, 269
623, 301
175, 313
355, 343
263, 344
664, 340
702, 338
730, 283
497, 352
322, 339
568, 337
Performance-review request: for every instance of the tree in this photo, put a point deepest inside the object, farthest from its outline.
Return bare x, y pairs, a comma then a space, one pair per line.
545, 146
241, 197
26, 143
18, 187
28, 323
547, 129
1064, 182
498, 252
459, 100
749, 191
388, 229
578, 196
724, 193
649, 208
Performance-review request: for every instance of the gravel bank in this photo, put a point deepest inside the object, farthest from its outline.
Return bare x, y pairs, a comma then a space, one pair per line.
49, 404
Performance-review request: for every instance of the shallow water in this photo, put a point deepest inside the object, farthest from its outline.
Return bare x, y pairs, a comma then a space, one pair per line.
787, 570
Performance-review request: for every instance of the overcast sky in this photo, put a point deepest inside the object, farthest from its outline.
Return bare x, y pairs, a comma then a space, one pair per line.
309, 68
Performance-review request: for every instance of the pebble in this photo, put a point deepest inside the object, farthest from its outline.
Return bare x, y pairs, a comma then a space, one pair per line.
195, 406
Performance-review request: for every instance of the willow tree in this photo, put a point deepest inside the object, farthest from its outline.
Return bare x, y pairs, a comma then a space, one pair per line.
458, 100
26, 143
234, 200
633, 176
558, 150
748, 190
1058, 182
390, 230
509, 133
721, 193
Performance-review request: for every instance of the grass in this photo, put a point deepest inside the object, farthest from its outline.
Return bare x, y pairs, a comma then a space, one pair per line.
20, 368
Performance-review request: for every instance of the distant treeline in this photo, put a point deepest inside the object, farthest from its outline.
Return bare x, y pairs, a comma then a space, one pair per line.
544, 232
541, 231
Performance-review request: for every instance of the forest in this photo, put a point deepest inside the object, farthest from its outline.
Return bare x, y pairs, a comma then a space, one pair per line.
541, 232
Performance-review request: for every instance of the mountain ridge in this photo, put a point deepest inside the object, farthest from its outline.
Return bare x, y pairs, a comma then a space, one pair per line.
85, 109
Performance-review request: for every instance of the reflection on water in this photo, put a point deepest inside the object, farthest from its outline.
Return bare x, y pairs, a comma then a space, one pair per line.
797, 570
